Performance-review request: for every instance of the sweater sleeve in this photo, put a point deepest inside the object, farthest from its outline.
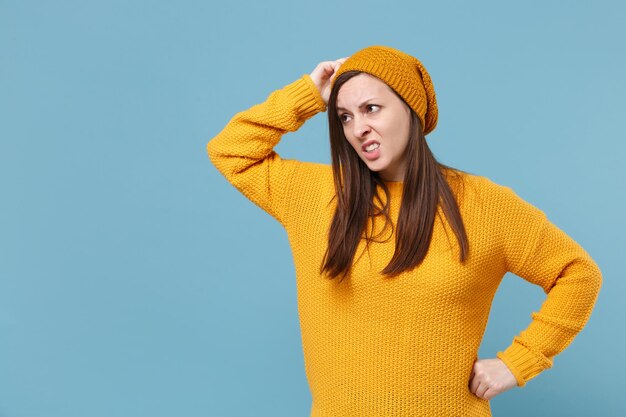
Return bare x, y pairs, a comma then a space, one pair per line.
243, 150
541, 253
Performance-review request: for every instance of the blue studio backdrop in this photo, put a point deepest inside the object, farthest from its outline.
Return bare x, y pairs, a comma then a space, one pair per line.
136, 281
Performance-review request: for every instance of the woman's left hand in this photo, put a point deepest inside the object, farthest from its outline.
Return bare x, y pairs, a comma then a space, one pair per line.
491, 377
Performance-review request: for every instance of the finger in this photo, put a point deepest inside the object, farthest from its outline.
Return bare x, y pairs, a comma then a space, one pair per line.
474, 384
330, 69
489, 394
335, 68
480, 392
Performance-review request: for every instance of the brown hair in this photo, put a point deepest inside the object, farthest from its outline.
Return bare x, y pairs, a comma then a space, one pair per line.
425, 187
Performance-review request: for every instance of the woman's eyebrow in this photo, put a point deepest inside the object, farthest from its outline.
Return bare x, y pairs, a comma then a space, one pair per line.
360, 105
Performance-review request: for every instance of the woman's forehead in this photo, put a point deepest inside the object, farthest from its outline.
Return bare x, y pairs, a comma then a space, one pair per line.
361, 88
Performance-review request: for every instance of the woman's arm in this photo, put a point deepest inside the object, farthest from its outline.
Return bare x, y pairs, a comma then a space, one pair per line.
243, 150
541, 253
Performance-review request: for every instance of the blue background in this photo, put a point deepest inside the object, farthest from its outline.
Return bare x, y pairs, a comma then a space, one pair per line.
136, 281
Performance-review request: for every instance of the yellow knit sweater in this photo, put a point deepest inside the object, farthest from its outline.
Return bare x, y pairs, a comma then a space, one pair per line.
404, 346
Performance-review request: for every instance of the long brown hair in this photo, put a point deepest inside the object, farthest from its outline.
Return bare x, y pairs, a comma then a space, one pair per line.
425, 187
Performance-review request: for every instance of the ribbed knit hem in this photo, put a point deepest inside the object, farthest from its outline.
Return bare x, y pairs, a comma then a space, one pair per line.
522, 362
308, 100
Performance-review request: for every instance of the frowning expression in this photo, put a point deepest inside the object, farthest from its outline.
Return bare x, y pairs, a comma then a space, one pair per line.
376, 122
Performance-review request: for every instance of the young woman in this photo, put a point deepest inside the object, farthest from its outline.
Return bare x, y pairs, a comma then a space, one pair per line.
398, 256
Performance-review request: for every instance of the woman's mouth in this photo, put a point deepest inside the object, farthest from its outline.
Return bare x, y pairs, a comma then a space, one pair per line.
372, 147
372, 151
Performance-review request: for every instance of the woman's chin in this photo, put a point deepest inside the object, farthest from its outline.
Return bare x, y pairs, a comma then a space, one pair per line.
376, 165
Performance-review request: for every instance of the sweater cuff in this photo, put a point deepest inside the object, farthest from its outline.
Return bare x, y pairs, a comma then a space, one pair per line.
306, 97
523, 363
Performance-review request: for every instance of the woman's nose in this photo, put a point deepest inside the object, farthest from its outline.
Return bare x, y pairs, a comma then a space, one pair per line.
361, 128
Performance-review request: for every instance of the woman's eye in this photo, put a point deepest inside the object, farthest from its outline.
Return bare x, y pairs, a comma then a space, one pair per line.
342, 116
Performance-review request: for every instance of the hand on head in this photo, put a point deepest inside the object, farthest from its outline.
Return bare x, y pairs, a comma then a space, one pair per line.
323, 75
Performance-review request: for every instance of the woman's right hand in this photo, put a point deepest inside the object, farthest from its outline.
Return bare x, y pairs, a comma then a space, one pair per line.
323, 75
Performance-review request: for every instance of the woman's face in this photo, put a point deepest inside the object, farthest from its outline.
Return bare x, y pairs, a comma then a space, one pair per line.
371, 113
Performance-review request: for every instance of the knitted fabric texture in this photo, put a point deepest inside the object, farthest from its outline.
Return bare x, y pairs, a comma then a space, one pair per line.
403, 73
405, 346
